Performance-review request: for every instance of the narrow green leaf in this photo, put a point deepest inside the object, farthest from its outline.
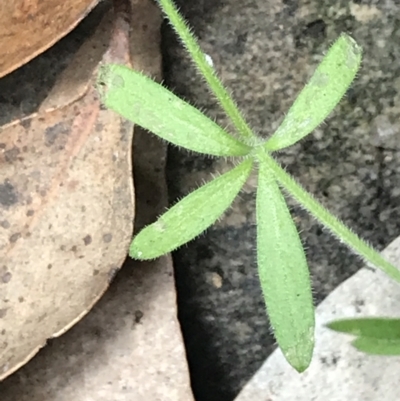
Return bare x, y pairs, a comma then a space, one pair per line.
321, 94
380, 328
337, 228
376, 336
284, 274
191, 216
148, 104
376, 346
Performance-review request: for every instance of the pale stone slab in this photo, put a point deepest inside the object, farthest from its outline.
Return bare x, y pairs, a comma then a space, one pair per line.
338, 371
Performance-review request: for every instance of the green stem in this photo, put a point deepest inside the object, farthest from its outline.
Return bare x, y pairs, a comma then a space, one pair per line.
343, 233
187, 38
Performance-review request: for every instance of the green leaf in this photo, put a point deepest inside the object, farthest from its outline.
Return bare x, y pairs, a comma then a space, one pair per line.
320, 95
384, 328
377, 336
191, 216
148, 104
283, 273
375, 346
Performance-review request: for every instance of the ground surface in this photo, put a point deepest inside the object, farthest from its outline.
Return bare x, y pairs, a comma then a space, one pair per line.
265, 51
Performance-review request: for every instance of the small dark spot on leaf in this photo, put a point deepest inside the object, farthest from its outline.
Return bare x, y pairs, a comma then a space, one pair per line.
87, 240
30, 212
8, 195
43, 193
6, 277
74, 248
107, 238
25, 149
15, 237
99, 127
49, 266
62, 248
138, 316
3, 332
52, 133
4, 224
42, 317
96, 272
3, 312
21, 299
3, 145
26, 123
11, 155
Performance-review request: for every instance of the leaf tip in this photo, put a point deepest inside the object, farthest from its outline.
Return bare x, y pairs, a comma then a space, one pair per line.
108, 78
135, 252
299, 357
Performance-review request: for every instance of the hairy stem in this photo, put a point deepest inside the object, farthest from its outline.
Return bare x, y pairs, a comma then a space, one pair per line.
331, 222
190, 42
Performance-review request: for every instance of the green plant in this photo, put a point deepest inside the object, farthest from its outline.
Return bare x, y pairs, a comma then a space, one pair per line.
375, 336
281, 260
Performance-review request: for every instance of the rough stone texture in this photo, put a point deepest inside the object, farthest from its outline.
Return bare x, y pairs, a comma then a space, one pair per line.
338, 371
265, 50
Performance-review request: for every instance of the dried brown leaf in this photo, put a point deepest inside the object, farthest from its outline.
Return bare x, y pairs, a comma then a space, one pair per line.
29, 27
66, 209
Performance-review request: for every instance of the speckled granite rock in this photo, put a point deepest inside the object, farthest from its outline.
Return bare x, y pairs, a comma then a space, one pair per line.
265, 50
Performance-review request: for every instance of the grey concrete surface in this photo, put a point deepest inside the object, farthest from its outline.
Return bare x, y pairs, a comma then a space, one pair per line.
265, 51
338, 371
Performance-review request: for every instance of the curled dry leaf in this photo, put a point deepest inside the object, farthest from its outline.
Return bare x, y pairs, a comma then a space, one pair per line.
66, 206
29, 27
